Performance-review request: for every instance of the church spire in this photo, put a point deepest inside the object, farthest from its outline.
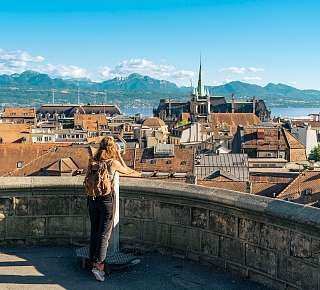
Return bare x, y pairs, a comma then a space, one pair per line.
200, 87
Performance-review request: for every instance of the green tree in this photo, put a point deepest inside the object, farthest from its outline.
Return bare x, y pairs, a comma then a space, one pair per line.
315, 153
182, 123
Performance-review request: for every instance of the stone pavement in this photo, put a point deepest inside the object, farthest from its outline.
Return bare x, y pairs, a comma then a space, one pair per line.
29, 268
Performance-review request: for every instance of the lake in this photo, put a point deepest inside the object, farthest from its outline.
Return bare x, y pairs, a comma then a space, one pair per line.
293, 112
276, 112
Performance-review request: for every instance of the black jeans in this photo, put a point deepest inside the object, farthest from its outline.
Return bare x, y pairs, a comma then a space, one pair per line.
101, 218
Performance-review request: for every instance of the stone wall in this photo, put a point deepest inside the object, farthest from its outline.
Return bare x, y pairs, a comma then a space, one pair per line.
42, 210
270, 241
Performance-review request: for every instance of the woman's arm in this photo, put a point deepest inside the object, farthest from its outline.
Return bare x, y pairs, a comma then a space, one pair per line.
118, 149
125, 170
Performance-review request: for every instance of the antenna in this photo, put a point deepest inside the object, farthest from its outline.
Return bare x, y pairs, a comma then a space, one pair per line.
53, 90
105, 102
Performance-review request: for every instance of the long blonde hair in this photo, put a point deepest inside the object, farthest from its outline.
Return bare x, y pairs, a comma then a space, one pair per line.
107, 149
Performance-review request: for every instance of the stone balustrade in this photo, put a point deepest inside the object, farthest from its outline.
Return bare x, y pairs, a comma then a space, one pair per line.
271, 241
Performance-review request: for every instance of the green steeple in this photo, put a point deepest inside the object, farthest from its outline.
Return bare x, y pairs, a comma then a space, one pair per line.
200, 87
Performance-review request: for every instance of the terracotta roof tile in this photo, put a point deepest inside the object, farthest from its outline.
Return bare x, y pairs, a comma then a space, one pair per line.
15, 133
293, 142
257, 188
10, 154
36, 157
232, 120
145, 160
17, 112
305, 188
153, 122
90, 122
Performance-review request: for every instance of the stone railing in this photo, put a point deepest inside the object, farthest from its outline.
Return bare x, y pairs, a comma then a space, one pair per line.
274, 242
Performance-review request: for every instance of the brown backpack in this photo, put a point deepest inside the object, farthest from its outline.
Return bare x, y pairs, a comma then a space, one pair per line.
99, 178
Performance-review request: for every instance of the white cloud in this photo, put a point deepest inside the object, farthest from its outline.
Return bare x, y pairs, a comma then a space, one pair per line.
147, 67
7, 56
64, 71
252, 78
222, 82
17, 61
242, 70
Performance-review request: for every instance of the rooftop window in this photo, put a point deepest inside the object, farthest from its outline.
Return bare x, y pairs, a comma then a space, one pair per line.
20, 164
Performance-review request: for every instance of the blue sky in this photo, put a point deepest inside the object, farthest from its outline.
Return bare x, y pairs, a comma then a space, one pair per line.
252, 41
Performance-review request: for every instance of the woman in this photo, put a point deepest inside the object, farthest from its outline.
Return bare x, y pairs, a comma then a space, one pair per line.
101, 207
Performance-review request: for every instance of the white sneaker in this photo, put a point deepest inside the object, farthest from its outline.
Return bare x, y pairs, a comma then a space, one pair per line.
99, 275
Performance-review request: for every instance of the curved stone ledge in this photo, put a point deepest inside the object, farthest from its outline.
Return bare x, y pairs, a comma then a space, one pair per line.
271, 241
291, 212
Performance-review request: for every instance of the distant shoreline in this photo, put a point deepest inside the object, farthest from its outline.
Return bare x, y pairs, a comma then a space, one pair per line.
275, 111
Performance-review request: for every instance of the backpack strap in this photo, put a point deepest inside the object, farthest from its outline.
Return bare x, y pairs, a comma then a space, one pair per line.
92, 151
110, 172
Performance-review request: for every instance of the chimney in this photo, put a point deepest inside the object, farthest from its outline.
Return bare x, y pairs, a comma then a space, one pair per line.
191, 179
232, 104
249, 187
241, 131
254, 105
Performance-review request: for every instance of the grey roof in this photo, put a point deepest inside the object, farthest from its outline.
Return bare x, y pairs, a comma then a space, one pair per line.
70, 109
233, 165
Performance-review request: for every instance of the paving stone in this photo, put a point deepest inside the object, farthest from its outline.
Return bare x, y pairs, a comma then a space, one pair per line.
55, 268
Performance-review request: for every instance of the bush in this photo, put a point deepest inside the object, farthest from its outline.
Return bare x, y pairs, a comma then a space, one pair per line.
315, 153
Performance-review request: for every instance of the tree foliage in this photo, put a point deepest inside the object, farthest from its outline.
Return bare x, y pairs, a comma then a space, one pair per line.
315, 153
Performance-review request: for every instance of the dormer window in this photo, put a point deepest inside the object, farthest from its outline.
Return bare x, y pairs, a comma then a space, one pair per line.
307, 191
20, 164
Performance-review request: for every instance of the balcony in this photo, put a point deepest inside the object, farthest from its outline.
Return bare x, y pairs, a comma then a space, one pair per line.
269, 241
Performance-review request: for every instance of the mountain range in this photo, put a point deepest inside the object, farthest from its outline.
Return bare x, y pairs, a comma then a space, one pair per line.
33, 88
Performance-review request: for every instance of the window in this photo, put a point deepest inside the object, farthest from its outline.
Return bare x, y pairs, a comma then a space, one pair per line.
20, 164
307, 191
153, 161
168, 162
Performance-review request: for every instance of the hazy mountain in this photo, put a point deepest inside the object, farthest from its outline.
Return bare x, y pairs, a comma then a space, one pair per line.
33, 88
238, 88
